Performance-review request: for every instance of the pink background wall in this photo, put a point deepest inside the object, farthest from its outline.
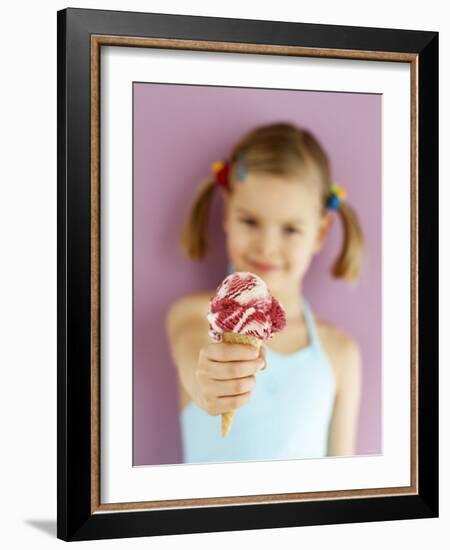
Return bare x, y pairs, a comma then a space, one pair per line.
179, 131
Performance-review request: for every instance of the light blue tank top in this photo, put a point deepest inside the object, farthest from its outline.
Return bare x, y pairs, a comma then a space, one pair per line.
287, 417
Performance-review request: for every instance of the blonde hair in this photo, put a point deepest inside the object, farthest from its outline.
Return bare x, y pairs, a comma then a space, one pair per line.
280, 149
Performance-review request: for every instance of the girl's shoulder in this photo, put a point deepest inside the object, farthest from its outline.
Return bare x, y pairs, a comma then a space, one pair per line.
341, 348
190, 306
333, 337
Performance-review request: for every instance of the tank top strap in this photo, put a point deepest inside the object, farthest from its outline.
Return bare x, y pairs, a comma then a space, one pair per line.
311, 325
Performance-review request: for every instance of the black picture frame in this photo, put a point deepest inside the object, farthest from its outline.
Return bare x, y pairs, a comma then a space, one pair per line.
79, 514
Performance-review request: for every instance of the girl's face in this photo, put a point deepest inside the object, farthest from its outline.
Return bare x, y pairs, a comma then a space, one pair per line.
274, 227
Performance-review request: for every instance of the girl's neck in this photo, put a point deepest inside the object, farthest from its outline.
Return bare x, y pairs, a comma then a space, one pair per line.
292, 302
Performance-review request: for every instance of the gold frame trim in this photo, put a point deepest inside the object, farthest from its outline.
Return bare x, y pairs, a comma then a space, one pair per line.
110, 40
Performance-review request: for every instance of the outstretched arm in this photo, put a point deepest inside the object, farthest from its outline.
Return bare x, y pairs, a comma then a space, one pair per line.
187, 332
344, 423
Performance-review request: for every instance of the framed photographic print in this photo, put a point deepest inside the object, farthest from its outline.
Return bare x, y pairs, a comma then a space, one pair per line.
297, 165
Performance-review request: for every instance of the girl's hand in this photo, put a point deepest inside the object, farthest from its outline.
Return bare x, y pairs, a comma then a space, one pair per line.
225, 376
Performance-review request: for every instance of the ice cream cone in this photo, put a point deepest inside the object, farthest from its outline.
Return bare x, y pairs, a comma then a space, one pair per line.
235, 338
243, 311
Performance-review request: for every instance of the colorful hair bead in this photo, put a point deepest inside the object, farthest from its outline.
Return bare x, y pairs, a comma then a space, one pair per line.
337, 195
241, 167
220, 170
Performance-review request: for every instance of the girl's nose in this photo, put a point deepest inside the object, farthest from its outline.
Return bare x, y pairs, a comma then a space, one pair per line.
268, 243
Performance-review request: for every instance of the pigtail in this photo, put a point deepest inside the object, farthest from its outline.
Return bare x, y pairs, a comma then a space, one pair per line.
193, 239
348, 264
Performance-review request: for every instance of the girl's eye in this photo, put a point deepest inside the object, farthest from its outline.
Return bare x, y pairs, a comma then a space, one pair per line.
248, 221
291, 230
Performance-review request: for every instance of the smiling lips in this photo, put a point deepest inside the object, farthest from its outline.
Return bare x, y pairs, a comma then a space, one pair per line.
264, 267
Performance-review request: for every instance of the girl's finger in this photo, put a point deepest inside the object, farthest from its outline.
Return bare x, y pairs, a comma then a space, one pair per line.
226, 404
230, 371
228, 388
230, 352
263, 357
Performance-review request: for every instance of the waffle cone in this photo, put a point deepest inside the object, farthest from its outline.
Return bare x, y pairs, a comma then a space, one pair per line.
235, 338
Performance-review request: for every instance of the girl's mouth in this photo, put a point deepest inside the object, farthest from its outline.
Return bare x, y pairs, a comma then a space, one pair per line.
263, 267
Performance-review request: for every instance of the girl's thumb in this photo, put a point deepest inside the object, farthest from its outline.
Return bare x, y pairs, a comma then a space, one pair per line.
262, 354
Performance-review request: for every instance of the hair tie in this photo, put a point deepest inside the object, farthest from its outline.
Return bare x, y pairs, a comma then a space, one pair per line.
221, 169
241, 166
336, 197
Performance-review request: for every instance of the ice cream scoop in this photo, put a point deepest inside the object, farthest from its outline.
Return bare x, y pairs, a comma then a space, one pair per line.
243, 305
243, 311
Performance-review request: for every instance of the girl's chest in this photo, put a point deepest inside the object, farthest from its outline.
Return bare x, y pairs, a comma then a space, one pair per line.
292, 339
292, 388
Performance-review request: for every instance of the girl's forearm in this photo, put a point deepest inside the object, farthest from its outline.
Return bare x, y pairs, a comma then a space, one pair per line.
185, 345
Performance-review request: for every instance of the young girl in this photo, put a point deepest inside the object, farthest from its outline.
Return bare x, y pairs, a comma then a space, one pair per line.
299, 397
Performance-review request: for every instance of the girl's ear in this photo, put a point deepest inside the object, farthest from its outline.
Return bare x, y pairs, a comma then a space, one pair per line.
324, 228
